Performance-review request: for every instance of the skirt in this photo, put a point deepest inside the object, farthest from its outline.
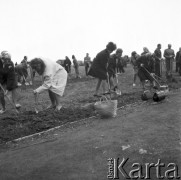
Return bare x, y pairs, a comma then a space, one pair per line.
98, 73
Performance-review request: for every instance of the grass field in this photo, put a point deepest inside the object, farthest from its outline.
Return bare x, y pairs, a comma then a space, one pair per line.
78, 93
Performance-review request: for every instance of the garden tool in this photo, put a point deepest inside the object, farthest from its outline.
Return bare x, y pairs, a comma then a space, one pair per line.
163, 88
118, 91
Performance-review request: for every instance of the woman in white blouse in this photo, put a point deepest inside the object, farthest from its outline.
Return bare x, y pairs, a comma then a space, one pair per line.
54, 79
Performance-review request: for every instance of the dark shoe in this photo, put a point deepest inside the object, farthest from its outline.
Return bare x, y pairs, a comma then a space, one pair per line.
97, 96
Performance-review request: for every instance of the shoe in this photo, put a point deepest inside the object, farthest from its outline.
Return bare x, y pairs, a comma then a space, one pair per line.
155, 87
50, 107
2, 111
58, 108
134, 84
18, 106
96, 95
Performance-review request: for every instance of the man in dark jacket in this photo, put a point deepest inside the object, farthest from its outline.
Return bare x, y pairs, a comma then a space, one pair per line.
178, 61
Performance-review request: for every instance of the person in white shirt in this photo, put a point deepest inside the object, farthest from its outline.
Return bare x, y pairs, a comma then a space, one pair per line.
54, 79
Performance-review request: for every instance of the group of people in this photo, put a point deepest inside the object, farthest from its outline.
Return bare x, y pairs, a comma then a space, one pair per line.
54, 80
153, 62
67, 65
104, 67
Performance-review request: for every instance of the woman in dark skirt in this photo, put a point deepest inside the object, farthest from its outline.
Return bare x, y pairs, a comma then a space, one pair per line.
146, 68
99, 66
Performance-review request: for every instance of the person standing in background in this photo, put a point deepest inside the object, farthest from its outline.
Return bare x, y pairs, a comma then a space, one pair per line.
76, 66
134, 57
158, 56
87, 63
67, 64
169, 58
178, 61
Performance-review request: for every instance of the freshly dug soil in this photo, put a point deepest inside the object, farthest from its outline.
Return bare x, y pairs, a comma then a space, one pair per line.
28, 122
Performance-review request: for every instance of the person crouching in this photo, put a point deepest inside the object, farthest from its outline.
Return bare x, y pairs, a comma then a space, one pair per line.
54, 80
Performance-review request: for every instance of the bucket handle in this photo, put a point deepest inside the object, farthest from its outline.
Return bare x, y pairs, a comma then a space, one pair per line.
104, 97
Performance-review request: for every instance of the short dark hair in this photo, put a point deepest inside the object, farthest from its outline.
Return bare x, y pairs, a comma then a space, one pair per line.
111, 46
158, 45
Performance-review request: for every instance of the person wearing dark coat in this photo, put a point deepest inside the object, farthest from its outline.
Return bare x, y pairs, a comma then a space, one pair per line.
146, 68
178, 61
67, 64
7, 80
158, 56
99, 66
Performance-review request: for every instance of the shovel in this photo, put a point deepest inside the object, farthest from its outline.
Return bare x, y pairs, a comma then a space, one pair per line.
118, 91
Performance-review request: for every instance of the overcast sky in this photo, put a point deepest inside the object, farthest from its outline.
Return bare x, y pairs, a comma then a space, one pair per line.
59, 28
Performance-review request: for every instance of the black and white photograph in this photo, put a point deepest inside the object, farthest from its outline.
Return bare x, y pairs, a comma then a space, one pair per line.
90, 89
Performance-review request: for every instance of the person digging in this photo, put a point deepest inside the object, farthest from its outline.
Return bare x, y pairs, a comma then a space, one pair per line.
8, 82
54, 80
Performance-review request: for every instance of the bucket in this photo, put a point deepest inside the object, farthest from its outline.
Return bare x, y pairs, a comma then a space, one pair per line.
106, 108
159, 96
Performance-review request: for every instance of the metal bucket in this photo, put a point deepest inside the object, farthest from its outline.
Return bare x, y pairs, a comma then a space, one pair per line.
159, 96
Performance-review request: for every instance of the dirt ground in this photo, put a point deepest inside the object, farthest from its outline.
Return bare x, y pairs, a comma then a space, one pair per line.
143, 132
78, 93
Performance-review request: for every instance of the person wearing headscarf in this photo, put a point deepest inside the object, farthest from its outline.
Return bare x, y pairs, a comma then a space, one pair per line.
99, 66
8, 81
54, 80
